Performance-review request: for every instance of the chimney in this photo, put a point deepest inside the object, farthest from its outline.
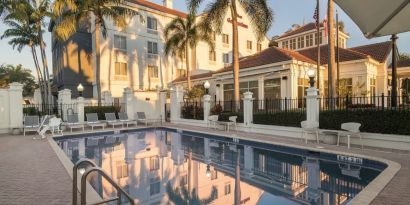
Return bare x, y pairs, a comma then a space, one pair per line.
168, 4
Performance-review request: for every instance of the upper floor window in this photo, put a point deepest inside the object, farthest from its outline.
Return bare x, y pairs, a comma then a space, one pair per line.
122, 169
225, 38
120, 42
301, 42
285, 44
212, 55
292, 44
226, 57
309, 40
259, 47
227, 188
152, 47
153, 73
120, 68
151, 23
249, 45
320, 38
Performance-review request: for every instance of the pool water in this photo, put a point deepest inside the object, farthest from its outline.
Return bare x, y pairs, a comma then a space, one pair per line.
157, 166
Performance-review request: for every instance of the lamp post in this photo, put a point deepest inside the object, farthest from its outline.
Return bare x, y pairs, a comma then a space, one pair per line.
80, 90
206, 86
311, 74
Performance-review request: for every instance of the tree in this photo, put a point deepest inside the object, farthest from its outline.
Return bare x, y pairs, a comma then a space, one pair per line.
332, 72
183, 34
10, 74
404, 56
73, 13
182, 196
260, 14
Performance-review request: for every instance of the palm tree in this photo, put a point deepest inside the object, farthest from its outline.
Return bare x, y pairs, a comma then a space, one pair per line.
332, 72
10, 73
183, 34
183, 196
260, 14
73, 13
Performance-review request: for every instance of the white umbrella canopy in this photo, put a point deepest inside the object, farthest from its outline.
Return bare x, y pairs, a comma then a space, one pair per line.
378, 17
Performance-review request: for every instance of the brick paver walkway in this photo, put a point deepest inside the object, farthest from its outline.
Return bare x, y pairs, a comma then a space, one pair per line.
31, 173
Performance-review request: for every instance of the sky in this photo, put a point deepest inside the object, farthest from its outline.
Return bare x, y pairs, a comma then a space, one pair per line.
286, 13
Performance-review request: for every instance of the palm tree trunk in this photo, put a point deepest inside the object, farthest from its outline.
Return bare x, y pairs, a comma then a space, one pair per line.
97, 59
235, 52
46, 74
188, 70
332, 72
40, 83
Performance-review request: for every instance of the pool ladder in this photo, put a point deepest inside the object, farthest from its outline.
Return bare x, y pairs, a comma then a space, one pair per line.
98, 170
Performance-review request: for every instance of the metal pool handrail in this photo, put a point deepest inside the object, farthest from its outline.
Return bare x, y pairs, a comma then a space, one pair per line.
120, 191
75, 169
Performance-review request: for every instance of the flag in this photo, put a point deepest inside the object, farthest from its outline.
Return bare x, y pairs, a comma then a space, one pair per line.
325, 25
316, 15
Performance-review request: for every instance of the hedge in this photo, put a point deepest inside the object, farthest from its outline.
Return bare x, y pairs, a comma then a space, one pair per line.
192, 112
224, 116
289, 118
101, 110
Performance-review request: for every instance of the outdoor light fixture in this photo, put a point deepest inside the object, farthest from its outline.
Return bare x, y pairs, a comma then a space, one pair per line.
208, 171
206, 86
81, 170
311, 74
80, 90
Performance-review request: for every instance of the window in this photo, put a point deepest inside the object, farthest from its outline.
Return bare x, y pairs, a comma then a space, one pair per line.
212, 55
272, 88
285, 44
122, 169
301, 42
249, 45
346, 86
251, 86
154, 186
152, 23
226, 57
259, 47
225, 38
181, 72
227, 188
372, 86
214, 175
153, 163
152, 47
153, 71
120, 42
320, 38
303, 84
292, 44
120, 69
309, 40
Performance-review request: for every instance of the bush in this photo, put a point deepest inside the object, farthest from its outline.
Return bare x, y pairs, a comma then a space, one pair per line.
101, 110
291, 119
192, 112
31, 111
216, 109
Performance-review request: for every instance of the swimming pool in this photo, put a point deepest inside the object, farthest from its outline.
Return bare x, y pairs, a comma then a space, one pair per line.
155, 165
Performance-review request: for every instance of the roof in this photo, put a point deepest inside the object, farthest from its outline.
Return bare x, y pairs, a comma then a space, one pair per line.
344, 54
268, 56
304, 28
194, 77
158, 7
402, 63
378, 51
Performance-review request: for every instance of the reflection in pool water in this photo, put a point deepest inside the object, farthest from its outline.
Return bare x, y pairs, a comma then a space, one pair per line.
156, 166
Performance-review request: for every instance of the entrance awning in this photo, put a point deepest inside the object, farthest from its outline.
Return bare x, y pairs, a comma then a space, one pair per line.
378, 17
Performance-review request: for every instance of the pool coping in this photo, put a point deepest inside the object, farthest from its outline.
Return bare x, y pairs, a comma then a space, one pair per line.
365, 196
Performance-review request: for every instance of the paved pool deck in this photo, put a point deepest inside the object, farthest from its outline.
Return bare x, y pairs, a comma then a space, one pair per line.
31, 173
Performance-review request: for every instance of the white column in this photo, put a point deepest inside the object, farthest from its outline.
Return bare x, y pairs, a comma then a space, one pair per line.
247, 109
37, 96
177, 97
207, 107
261, 92
128, 102
16, 106
80, 109
312, 105
107, 98
64, 99
162, 100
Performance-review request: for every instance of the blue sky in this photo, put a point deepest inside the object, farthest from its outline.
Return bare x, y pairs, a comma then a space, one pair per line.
286, 13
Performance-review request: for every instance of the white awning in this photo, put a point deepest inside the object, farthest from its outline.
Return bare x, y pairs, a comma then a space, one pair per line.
378, 17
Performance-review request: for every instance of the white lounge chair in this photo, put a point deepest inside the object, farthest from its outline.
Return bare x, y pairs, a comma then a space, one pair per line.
92, 121
31, 124
212, 120
309, 127
111, 119
54, 125
124, 118
74, 123
141, 117
349, 129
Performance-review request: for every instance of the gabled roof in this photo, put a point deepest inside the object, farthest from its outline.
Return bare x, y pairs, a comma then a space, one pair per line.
194, 77
268, 56
304, 28
158, 7
378, 51
344, 54
402, 63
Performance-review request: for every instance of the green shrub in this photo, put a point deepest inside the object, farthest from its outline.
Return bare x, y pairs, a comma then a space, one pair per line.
192, 112
31, 111
101, 110
291, 119
224, 116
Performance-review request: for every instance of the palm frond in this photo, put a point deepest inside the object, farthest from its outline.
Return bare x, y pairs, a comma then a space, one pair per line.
261, 16
215, 14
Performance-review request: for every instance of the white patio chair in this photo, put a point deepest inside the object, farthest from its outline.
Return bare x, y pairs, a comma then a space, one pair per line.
31, 124
54, 125
111, 119
232, 121
309, 127
349, 129
212, 120
73, 122
124, 118
92, 121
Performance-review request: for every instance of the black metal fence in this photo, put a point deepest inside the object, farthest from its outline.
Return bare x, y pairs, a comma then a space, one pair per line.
192, 110
381, 102
59, 110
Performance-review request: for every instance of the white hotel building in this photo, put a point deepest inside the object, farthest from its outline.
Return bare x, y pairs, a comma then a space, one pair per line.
134, 57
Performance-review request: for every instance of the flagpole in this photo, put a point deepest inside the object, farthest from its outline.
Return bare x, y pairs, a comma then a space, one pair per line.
337, 54
318, 44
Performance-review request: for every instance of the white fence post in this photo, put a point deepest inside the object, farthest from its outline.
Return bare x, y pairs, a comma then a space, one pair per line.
37, 97
207, 107
16, 106
248, 109
107, 98
80, 109
128, 102
64, 99
312, 105
177, 97
162, 101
